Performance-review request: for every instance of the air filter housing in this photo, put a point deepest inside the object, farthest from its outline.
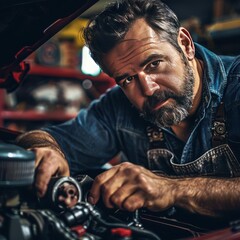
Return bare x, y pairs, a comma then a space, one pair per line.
16, 166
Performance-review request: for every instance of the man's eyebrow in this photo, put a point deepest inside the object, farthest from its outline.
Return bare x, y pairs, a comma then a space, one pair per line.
142, 64
119, 78
150, 58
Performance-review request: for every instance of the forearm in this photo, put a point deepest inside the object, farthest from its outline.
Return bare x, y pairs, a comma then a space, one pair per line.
209, 196
38, 139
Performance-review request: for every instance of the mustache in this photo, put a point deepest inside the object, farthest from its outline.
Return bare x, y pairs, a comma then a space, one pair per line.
158, 97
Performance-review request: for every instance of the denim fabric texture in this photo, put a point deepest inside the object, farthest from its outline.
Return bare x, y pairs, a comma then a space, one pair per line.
111, 125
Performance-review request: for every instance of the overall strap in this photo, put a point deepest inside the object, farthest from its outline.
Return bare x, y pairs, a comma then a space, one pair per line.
219, 130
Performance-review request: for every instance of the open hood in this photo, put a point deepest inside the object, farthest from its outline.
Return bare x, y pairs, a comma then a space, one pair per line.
25, 25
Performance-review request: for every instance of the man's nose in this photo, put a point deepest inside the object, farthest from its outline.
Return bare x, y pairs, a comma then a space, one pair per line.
147, 83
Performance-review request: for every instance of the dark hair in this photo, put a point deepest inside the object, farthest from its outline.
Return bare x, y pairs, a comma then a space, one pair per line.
110, 26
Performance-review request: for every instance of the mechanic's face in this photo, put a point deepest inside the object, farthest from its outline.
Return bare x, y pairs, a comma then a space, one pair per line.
155, 77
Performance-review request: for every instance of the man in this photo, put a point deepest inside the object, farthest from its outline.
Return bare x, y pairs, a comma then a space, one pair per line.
160, 116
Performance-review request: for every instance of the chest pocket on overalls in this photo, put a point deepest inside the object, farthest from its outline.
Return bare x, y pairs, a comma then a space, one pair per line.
218, 161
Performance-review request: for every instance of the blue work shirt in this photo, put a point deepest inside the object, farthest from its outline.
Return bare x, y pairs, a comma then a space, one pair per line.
111, 124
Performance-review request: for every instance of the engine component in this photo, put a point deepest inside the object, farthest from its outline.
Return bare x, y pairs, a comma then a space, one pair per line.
62, 193
17, 166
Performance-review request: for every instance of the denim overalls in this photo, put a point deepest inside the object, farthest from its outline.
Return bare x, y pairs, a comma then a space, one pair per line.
222, 140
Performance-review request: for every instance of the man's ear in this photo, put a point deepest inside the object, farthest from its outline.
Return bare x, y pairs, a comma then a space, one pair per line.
186, 43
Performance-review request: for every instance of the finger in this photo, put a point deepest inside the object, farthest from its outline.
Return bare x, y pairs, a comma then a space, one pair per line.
121, 194
43, 175
95, 191
135, 201
63, 169
47, 168
48, 163
38, 156
122, 184
110, 187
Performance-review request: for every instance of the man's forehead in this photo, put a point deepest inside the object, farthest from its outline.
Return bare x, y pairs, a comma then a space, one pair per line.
140, 41
139, 35
140, 30
130, 52
130, 44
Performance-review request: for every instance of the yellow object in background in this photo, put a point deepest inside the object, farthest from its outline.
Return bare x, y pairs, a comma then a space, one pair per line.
225, 25
74, 31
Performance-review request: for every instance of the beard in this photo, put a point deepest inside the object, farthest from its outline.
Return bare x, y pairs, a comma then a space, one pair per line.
176, 110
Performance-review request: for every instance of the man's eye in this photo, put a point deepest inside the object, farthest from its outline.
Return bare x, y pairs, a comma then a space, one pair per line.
155, 63
153, 66
127, 80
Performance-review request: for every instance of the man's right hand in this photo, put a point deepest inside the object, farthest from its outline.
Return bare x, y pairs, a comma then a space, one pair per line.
50, 160
48, 163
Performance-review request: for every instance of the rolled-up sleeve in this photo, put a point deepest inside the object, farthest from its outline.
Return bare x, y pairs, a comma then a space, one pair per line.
89, 140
